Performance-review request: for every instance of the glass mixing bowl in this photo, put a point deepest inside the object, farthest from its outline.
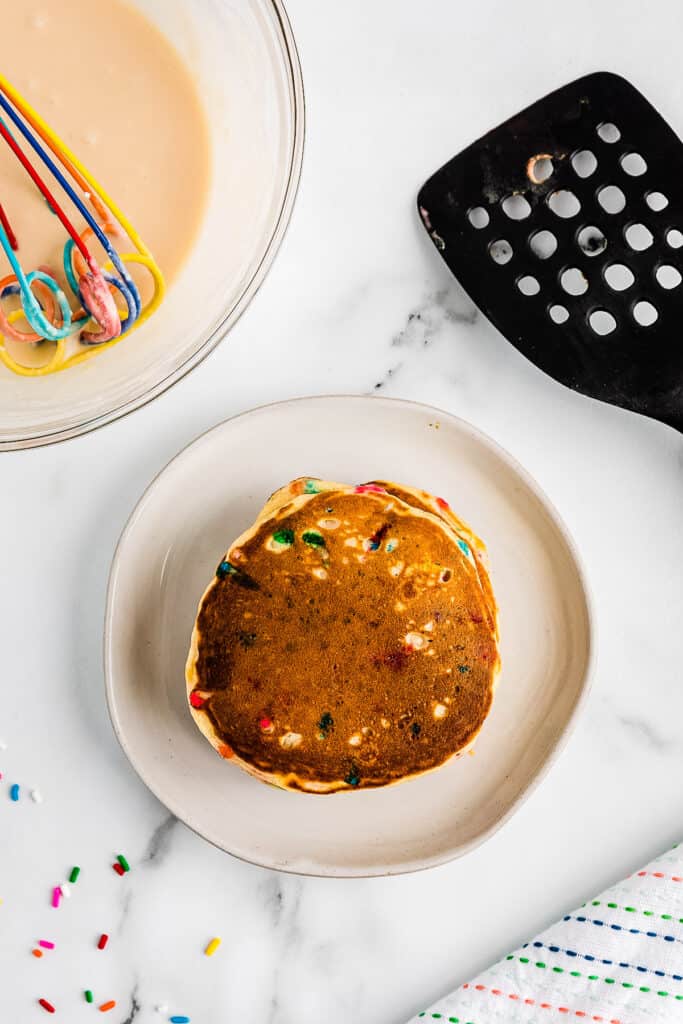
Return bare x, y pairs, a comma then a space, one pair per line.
243, 57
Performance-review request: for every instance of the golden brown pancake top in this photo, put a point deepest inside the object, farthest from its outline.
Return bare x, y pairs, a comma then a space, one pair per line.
346, 640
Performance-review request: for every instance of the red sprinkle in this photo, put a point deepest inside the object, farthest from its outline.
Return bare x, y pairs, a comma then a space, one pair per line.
46, 1006
37, 953
264, 723
118, 869
104, 939
195, 700
442, 503
108, 1006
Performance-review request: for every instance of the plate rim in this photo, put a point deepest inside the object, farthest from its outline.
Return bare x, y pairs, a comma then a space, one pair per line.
218, 330
585, 686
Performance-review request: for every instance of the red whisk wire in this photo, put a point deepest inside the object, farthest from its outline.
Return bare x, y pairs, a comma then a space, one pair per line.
28, 166
8, 229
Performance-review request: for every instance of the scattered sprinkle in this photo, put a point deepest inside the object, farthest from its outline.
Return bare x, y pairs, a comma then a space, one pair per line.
36, 796
265, 724
284, 537
463, 668
104, 939
37, 953
355, 740
89, 998
326, 723
123, 862
46, 945
56, 896
46, 1006
212, 946
65, 890
416, 729
196, 700
313, 538
440, 711
179, 1020
14, 792
108, 1006
290, 740
75, 872
118, 869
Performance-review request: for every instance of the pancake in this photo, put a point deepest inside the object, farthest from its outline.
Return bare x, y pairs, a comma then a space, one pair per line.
347, 640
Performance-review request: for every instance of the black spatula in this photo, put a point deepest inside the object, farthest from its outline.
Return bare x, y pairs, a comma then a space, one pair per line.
565, 225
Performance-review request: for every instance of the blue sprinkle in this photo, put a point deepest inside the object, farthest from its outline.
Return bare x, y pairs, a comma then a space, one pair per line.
14, 792
641, 969
179, 1020
570, 952
464, 547
677, 977
554, 949
588, 956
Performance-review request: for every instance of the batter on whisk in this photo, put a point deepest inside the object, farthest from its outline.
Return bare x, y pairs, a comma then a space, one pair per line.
120, 98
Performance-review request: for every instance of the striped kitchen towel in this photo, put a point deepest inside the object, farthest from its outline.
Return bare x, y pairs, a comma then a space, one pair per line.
616, 960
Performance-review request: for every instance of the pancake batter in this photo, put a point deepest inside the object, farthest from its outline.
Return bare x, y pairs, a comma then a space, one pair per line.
121, 98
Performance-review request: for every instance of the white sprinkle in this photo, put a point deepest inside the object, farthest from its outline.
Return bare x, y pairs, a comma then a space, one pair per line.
66, 890
428, 627
290, 740
415, 640
397, 569
385, 723
329, 524
320, 573
355, 740
36, 796
440, 711
351, 542
86, 195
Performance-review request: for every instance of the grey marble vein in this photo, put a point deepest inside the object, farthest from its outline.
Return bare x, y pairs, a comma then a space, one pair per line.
653, 737
445, 306
160, 841
135, 1006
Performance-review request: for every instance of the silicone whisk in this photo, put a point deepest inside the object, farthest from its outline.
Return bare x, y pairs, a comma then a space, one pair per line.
106, 303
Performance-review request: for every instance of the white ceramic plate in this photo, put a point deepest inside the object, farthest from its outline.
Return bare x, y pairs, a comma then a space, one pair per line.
169, 550
244, 61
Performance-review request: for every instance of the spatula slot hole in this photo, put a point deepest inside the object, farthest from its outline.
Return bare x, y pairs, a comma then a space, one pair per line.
638, 237
558, 314
564, 203
584, 163
516, 207
674, 238
612, 199
528, 285
478, 217
668, 277
608, 132
645, 314
591, 241
539, 168
573, 281
657, 201
633, 164
602, 322
500, 251
543, 244
619, 277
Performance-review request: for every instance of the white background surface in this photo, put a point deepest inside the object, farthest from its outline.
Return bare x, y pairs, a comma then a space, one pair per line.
357, 297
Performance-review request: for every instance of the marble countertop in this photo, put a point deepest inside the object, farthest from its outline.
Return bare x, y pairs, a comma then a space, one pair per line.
357, 301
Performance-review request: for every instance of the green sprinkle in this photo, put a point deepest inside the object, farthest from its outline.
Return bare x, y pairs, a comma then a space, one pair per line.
123, 862
523, 959
643, 988
437, 1016
609, 981
315, 539
284, 537
558, 970
463, 668
326, 722
575, 974
311, 487
353, 778
593, 977
73, 877
539, 964
89, 998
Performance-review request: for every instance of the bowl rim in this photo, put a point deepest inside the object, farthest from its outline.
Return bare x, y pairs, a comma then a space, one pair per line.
419, 864
220, 328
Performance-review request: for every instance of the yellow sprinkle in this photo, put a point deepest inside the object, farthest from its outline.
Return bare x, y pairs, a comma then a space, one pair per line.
212, 947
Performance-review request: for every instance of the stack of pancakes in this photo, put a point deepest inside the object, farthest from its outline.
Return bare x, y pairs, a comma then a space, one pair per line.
347, 640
